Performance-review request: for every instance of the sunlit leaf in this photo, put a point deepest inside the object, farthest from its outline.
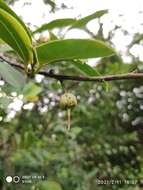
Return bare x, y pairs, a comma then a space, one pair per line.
14, 34
5, 7
58, 23
72, 49
83, 21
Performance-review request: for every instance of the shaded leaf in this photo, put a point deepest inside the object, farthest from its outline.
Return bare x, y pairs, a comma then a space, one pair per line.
8, 89
72, 49
11, 75
85, 68
4, 102
89, 71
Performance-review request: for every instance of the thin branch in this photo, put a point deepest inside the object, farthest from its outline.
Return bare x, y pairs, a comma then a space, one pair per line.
126, 76
12, 63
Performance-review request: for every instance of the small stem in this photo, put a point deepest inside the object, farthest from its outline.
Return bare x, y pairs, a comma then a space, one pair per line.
69, 119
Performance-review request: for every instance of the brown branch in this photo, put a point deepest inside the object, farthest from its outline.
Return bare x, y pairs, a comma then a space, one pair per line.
12, 63
126, 76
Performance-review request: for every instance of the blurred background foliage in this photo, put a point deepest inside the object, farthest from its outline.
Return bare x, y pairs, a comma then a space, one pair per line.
105, 141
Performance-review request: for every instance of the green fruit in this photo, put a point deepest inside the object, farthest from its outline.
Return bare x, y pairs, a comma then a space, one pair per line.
68, 101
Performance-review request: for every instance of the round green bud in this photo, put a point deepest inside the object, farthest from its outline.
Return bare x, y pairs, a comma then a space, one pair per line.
68, 101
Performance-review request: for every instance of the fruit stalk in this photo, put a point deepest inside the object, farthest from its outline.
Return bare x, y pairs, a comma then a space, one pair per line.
69, 119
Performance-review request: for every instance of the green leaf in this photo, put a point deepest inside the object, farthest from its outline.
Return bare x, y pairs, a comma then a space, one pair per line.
83, 21
13, 33
31, 91
11, 75
2, 42
58, 23
76, 130
4, 102
8, 89
5, 7
52, 36
89, 71
85, 68
72, 49
49, 185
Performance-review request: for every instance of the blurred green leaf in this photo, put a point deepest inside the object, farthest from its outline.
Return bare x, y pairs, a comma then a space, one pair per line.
8, 89
76, 130
5, 48
2, 42
4, 102
31, 91
49, 185
12, 76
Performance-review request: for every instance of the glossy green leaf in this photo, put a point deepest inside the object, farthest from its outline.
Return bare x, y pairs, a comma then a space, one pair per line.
72, 49
13, 33
83, 21
11, 75
5, 7
58, 23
